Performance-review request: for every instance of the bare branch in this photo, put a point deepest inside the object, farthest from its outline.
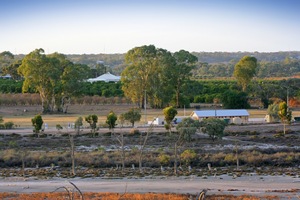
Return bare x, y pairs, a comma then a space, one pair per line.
81, 195
124, 192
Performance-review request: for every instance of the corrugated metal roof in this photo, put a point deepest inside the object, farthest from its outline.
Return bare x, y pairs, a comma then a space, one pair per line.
221, 113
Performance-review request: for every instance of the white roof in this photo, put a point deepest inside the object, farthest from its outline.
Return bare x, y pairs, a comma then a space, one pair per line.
107, 77
6, 76
221, 113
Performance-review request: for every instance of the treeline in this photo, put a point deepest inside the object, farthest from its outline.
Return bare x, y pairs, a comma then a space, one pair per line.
285, 68
210, 64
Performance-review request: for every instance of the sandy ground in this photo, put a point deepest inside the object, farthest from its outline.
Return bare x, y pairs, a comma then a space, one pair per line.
284, 186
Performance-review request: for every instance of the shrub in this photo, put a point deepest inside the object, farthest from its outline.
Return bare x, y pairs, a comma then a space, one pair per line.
164, 159
188, 156
134, 131
8, 125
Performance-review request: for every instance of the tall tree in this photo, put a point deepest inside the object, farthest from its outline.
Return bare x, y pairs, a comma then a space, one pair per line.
143, 78
141, 67
245, 70
53, 77
181, 71
40, 73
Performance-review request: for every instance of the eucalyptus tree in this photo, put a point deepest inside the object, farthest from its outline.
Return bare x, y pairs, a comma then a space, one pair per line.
141, 67
40, 74
180, 72
146, 76
54, 77
245, 70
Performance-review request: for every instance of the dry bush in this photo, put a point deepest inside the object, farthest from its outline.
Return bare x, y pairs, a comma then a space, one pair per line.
20, 99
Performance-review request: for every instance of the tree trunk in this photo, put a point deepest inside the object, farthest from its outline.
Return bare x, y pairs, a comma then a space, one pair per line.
123, 152
23, 154
120, 139
143, 144
175, 158
72, 154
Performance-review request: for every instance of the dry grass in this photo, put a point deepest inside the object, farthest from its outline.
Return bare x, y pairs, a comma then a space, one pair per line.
127, 196
91, 196
23, 119
17, 115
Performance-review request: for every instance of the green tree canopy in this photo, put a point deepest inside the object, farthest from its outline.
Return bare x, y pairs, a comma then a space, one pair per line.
12, 69
213, 127
92, 120
6, 59
181, 71
285, 114
53, 77
37, 123
169, 113
156, 74
245, 70
232, 99
133, 115
141, 68
111, 120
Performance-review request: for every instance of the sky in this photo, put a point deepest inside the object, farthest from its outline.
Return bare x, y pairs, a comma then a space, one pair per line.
116, 26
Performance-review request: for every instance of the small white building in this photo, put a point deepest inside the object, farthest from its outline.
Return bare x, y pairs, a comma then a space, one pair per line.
7, 76
237, 116
107, 77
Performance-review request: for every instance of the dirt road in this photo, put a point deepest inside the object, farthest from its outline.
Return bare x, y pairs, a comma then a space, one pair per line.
283, 186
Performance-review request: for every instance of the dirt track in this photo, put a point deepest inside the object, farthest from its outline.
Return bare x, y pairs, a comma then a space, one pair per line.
282, 186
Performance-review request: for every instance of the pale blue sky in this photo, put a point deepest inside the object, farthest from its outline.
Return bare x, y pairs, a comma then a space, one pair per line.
116, 26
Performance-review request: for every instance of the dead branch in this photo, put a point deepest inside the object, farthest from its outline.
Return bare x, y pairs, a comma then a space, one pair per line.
124, 192
66, 189
81, 195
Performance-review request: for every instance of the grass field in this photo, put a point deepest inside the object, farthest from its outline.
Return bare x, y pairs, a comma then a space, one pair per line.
23, 119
